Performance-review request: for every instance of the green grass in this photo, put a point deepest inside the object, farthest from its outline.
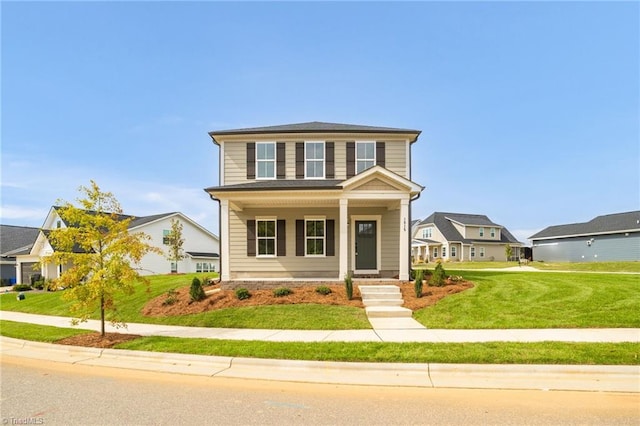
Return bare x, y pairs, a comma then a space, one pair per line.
538, 300
545, 266
456, 353
300, 317
38, 333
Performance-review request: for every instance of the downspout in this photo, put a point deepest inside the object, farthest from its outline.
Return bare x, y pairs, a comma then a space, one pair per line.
220, 233
410, 235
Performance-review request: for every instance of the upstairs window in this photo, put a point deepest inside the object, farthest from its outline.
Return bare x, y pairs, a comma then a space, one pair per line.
266, 237
492, 232
165, 237
314, 160
426, 233
482, 232
365, 155
314, 237
266, 160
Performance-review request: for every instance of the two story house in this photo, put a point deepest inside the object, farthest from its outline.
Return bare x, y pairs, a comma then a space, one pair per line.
315, 201
461, 237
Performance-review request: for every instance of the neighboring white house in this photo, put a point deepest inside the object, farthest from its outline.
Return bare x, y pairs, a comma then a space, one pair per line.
201, 247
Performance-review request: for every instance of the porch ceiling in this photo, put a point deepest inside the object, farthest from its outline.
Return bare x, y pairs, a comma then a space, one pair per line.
307, 200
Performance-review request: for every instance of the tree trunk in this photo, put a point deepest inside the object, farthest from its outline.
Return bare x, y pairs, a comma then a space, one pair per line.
102, 315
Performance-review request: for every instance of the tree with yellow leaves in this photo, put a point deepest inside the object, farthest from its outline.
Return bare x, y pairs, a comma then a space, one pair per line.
100, 252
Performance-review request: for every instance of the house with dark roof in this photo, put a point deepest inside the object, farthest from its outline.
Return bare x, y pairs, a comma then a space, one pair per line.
201, 247
461, 237
611, 237
314, 201
14, 241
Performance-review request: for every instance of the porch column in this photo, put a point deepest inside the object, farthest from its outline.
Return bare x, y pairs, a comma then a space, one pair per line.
404, 239
344, 246
224, 240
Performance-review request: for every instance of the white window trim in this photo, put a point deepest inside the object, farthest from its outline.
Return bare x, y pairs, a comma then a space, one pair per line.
275, 160
481, 251
435, 253
367, 159
472, 251
454, 252
492, 232
324, 160
324, 238
378, 219
444, 251
481, 231
275, 237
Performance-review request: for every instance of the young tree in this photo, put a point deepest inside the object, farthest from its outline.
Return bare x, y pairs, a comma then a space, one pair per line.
508, 251
100, 252
175, 241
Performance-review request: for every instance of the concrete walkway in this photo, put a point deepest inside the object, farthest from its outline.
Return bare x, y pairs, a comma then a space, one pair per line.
610, 335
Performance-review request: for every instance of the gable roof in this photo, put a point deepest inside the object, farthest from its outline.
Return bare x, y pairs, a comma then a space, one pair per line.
135, 220
443, 221
15, 240
313, 127
605, 224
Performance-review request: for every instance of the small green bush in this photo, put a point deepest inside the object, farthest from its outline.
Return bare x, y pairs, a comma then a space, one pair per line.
172, 297
242, 293
323, 289
22, 287
282, 291
196, 291
348, 286
417, 284
438, 276
39, 285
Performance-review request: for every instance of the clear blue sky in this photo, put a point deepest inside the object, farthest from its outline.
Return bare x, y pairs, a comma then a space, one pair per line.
529, 111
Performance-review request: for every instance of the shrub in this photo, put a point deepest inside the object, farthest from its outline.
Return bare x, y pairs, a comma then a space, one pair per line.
39, 284
282, 291
323, 289
172, 297
21, 287
417, 284
196, 291
242, 293
348, 286
437, 278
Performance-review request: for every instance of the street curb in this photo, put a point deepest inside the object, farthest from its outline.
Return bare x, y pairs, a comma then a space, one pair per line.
597, 378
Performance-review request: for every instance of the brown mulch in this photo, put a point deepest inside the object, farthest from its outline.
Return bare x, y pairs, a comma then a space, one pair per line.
226, 298
95, 340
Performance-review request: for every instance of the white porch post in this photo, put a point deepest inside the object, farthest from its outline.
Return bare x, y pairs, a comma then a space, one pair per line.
404, 239
344, 247
224, 240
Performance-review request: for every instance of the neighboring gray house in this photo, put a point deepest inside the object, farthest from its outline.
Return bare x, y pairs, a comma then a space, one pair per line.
14, 241
612, 237
461, 237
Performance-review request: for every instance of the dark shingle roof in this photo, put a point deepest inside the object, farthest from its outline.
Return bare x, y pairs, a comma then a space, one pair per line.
313, 127
443, 222
280, 185
605, 224
16, 240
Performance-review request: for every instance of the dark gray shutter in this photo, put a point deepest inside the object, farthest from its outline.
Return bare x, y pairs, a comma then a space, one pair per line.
380, 154
282, 238
251, 237
280, 160
329, 148
351, 159
331, 237
300, 237
251, 160
299, 160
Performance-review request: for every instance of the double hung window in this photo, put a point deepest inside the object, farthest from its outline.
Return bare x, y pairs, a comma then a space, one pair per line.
266, 237
365, 155
314, 160
266, 160
314, 237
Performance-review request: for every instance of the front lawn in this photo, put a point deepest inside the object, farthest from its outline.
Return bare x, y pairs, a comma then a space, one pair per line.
538, 300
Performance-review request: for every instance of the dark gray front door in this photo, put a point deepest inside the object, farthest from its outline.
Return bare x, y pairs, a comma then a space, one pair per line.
366, 244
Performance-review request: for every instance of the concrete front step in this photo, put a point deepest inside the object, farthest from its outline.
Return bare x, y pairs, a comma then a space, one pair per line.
382, 302
387, 312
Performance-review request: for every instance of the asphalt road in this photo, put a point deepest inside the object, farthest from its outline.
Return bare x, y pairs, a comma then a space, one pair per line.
42, 392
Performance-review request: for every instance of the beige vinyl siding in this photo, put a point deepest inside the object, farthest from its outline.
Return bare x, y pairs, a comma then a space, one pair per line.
235, 163
461, 229
491, 252
243, 266
473, 233
235, 159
